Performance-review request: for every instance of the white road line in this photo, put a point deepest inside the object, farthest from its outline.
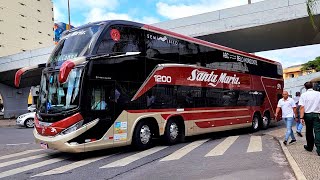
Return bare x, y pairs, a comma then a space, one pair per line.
132, 158
71, 166
17, 144
255, 144
184, 150
19, 154
29, 167
8, 163
221, 148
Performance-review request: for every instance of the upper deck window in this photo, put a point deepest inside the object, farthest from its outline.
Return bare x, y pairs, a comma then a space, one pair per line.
74, 44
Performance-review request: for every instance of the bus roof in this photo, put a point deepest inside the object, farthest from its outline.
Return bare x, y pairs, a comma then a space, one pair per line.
178, 36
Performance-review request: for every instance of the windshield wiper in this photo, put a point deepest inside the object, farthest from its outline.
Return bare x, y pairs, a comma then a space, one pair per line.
115, 54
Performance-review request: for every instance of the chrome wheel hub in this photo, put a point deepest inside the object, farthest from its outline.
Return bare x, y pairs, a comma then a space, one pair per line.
265, 120
255, 123
174, 131
145, 134
30, 123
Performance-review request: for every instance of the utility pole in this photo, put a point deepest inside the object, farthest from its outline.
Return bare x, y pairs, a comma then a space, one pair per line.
69, 14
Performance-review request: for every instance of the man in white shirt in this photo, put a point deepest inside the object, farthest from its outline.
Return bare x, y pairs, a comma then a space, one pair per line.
288, 107
310, 115
299, 125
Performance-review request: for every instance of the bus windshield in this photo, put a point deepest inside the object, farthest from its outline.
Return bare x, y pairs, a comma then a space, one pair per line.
56, 97
74, 44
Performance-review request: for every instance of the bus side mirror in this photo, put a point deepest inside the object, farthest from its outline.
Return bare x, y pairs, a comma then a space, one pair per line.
21, 72
65, 69
18, 76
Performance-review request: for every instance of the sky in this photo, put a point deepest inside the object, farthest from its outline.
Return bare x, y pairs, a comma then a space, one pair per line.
153, 11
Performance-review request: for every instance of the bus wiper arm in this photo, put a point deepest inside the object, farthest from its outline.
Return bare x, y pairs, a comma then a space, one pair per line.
116, 54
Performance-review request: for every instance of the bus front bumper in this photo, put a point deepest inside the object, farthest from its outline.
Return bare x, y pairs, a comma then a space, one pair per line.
59, 142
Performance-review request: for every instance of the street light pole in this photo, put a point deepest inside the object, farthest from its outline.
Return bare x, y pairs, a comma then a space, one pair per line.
69, 14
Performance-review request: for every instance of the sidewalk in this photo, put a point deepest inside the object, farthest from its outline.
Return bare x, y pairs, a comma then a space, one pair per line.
7, 122
306, 165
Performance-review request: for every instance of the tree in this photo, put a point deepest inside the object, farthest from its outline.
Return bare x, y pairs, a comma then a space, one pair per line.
311, 8
314, 64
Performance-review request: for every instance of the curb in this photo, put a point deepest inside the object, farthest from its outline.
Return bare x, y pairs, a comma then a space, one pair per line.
296, 169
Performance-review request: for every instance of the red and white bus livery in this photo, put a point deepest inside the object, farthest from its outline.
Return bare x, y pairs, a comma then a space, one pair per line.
116, 83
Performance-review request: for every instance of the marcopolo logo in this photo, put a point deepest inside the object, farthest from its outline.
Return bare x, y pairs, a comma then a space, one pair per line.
212, 78
163, 39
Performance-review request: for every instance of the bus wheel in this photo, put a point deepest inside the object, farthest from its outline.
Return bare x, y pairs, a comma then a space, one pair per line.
255, 123
142, 136
174, 132
265, 121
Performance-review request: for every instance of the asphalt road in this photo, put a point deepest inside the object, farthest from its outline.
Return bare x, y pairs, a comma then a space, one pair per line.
228, 155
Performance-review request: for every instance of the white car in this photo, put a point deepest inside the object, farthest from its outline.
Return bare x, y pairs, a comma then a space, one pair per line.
2, 112
26, 120
32, 108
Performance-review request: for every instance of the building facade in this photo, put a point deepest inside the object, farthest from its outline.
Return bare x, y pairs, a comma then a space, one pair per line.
295, 71
25, 25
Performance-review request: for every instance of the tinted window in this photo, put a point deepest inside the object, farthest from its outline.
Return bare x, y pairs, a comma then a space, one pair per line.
162, 47
130, 40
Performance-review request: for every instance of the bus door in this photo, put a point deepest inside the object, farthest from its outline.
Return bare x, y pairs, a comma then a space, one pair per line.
273, 89
100, 106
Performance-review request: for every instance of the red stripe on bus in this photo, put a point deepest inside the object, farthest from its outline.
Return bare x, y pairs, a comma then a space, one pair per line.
57, 127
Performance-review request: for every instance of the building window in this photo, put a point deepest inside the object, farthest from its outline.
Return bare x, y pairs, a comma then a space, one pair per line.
49, 34
23, 27
1, 20
292, 75
22, 15
22, 4
40, 42
309, 72
39, 21
23, 38
52, 19
38, 10
23, 50
39, 32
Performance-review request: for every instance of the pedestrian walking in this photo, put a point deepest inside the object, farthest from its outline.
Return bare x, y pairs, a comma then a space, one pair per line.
299, 125
309, 114
288, 107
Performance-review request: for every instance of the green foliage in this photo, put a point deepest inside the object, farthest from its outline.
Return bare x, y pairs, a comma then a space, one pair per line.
311, 8
314, 64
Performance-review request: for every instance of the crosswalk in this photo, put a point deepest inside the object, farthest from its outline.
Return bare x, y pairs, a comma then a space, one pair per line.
210, 147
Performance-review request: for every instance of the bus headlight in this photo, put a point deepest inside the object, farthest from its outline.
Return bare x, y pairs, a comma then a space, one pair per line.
72, 128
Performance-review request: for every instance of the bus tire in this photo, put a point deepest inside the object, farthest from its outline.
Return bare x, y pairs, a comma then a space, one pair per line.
142, 136
265, 121
174, 132
255, 123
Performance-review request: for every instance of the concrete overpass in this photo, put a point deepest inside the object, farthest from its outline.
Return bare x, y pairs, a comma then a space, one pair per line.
266, 25
262, 26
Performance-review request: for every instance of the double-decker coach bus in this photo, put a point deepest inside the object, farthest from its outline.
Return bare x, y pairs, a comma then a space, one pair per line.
116, 83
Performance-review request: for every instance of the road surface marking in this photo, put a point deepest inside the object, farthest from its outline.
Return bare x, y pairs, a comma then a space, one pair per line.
8, 163
221, 148
19, 154
184, 150
255, 144
71, 166
29, 167
17, 144
132, 158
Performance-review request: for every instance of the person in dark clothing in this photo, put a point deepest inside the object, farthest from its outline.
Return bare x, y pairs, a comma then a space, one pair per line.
310, 115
